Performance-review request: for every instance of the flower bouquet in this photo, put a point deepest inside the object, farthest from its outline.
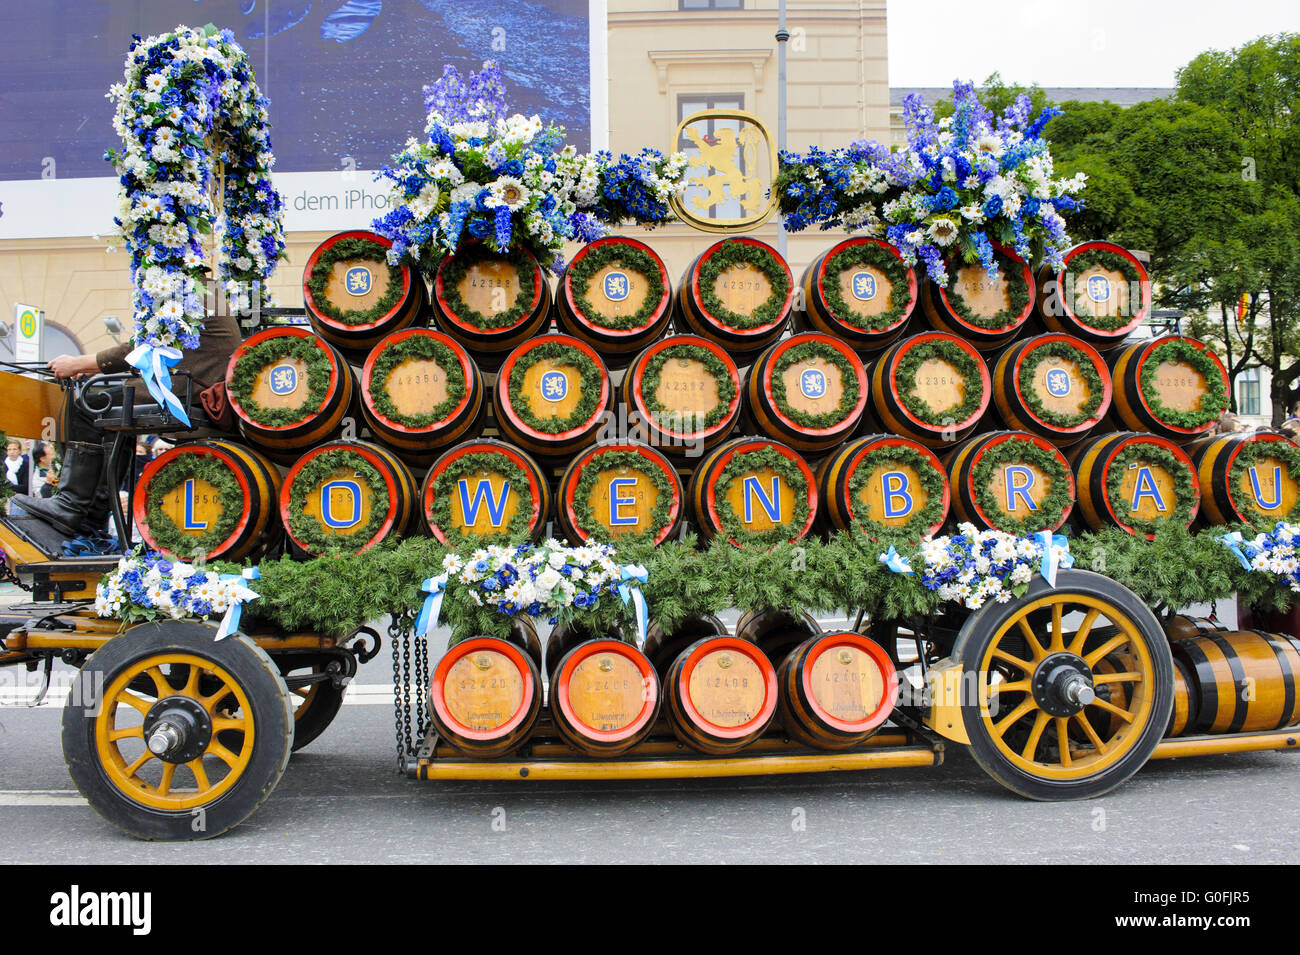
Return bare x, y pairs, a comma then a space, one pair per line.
1276, 552
148, 586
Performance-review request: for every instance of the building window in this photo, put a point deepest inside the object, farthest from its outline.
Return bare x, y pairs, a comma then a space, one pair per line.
710, 4
688, 103
1248, 396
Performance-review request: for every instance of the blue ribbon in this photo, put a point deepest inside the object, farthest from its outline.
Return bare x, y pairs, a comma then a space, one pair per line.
895, 562
1056, 555
435, 587
1235, 542
155, 365
230, 622
629, 592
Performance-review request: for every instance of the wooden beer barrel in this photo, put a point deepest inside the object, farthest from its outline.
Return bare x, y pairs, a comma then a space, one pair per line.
986, 312
1101, 294
932, 388
604, 697
491, 303
1137, 482
485, 492
883, 483
616, 296
754, 490
720, 695
776, 632
346, 497
1174, 387
486, 696
354, 298
552, 395
290, 390
662, 647
1248, 478
737, 293
1186, 702
211, 499
1245, 680
620, 493
685, 393
808, 391
836, 690
1011, 481
421, 391
1181, 626
860, 291
1054, 386
566, 636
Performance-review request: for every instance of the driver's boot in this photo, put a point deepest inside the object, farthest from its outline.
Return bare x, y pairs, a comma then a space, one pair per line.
73, 506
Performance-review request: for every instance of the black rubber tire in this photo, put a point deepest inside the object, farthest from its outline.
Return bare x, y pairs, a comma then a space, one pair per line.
268, 698
970, 648
312, 719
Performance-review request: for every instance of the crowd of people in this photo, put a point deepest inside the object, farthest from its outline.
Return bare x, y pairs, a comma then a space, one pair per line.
31, 467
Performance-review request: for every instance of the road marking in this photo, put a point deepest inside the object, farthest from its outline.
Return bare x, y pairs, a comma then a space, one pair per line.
41, 797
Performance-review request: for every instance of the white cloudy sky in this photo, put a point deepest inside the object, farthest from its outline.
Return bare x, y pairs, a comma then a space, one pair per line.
1070, 42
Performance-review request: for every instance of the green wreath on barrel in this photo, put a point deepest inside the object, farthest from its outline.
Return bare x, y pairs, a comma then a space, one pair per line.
321, 468
310, 351
732, 525
932, 483
881, 259
1185, 493
967, 366
584, 516
346, 250
492, 462
740, 253
416, 347
590, 381
1213, 402
1252, 453
1051, 509
201, 467
1013, 273
848, 382
1029, 376
714, 365
1107, 261
626, 257
457, 267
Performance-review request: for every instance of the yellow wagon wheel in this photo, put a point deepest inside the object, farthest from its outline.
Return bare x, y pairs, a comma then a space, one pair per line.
170, 734
1041, 711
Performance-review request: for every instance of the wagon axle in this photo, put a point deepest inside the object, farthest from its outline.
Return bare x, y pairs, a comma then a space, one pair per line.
177, 729
1063, 684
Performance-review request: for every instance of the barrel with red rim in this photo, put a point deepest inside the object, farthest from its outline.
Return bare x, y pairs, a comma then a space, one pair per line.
754, 490
486, 696
737, 293
354, 298
552, 395
1172, 386
1244, 680
615, 295
612, 492
1251, 478
987, 312
684, 392
1136, 482
932, 388
1055, 386
808, 391
484, 492
720, 695
861, 291
1100, 294
663, 647
490, 302
777, 632
1011, 481
883, 483
836, 690
605, 697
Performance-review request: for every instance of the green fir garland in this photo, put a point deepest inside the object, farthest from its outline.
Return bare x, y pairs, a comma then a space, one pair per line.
733, 527
591, 378
415, 347
201, 467
733, 252
457, 267
347, 250
1013, 273
1050, 509
880, 258
306, 531
715, 366
493, 462
1213, 402
932, 483
660, 514
626, 257
967, 366
310, 351
1110, 262
1251, 453
1139, 453
1029, 377
848, 380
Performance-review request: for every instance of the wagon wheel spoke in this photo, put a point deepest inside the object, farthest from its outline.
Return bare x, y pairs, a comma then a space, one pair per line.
137, 702
1031, 640
222, 753
1124, 676
192, 682
139, 762
1035, 735
1063, 740
1004, 724
1013, 686
210, 702
1057, 632
126, 732
1114, 643
1090, 732
200, 775
1109, 707
165, 784
1024, 665
1081, 635
225, 724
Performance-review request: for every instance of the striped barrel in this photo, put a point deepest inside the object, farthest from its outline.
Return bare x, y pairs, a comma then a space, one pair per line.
740, 307
604, 697
491, 303
836, 690
1054, 386
860, 291
932, 388
883, 482
1101, 294
808, 391
354, 298
1245, 680
615, 295
684, 392
1006, 481
1157, 390
720, 694
1181, 626
1135, 482
486, 696
613, 491
754, 488
980, 309
552, 395
485, 491
1186, 702
1247, 478
290, 390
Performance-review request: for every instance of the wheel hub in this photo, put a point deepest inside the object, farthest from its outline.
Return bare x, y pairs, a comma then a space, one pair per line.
1063, 684
177, 729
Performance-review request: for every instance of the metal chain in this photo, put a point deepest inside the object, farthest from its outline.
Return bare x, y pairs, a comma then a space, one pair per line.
421, 682
399, 639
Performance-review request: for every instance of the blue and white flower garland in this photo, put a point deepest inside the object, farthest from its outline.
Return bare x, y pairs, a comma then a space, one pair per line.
149, 586
1276, 552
